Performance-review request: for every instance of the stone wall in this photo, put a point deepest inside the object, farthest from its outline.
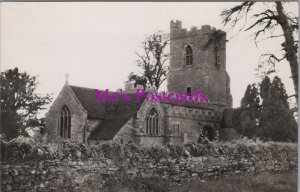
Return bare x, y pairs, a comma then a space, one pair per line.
72, 166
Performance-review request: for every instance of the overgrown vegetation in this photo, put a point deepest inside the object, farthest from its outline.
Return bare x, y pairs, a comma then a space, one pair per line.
26, 148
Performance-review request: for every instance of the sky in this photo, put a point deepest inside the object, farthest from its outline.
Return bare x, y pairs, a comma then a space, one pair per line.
95, 42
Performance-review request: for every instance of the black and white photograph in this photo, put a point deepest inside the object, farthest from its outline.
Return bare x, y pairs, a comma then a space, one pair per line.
149, 96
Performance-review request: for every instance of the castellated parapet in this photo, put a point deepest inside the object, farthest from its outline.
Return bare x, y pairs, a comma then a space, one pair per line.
177, 31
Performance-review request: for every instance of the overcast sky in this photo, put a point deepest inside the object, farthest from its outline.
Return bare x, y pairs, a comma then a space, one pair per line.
95, 43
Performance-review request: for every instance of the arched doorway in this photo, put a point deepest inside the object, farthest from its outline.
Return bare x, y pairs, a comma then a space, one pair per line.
209, 132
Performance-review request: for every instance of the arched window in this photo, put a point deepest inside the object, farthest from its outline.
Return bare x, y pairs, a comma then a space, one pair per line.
176, 130
188, 55
65, 122
152, 124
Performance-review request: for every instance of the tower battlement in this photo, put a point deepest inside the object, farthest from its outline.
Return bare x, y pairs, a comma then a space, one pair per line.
176, 30
176, 24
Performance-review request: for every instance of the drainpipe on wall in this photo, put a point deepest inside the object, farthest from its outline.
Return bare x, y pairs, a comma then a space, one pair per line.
84, 130
184, 138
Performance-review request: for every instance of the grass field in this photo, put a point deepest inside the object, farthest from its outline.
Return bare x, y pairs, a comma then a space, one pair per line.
260, 183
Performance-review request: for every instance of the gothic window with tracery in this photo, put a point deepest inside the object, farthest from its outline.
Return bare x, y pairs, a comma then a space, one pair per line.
176, 129
152, 126
65, 122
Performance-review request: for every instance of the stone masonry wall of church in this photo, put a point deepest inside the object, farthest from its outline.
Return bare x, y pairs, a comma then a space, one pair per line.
204, 74
190, 120
78, 115
141, 137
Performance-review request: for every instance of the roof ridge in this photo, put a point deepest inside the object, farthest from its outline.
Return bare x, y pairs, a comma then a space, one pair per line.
92, 88
80, 87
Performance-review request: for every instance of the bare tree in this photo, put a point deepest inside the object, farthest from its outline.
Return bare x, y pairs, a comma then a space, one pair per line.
152, 61
270, 18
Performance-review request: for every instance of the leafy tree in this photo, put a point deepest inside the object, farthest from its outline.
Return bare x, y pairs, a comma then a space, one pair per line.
270, 18
138, 80
270, 119
152, 61
19, 102
11, 123
251, 101
278, 90
276, 121
250, 111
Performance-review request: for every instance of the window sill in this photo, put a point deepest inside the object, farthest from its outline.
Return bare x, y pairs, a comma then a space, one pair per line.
189, 66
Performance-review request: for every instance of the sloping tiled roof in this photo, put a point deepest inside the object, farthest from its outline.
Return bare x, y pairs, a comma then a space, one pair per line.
87, 98
115, 114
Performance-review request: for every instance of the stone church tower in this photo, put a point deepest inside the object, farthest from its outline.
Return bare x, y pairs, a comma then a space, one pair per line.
198, 60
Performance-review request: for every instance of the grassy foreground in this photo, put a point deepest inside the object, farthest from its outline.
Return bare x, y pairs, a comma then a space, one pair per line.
286, 182
259, 183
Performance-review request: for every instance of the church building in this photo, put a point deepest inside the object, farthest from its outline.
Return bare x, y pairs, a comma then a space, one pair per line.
198, 61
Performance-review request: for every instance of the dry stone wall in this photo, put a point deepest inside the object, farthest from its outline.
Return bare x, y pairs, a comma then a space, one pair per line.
68, 167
